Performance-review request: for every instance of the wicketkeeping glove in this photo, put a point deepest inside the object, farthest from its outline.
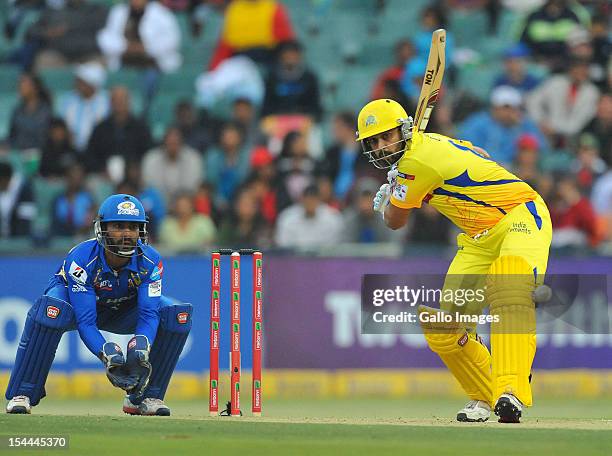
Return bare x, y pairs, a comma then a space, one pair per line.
116, 371
138, 363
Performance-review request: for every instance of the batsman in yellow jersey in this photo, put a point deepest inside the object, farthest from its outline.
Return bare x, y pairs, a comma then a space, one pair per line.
505, 243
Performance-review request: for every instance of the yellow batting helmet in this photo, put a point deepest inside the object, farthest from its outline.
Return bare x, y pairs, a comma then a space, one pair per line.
378, 116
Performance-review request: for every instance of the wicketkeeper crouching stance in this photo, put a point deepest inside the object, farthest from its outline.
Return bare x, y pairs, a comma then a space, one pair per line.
504, 245
114, 283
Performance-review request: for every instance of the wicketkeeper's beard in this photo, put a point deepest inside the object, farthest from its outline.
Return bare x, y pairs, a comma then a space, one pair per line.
123, 246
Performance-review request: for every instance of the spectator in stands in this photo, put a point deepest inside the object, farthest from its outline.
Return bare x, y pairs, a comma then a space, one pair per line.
150, 197
173, 167
204, 203
121, 134
344, 159
57, 153
291, 88
262, 183
497, 130
245, 224
74, 209
17, 206
227, 164
185, 230
433, 17
196, 134
601, 197
253, 28
31, 117
565, 103
143, 34
580, 45
547, 28
601, 43
244, 114
527, 158
573, 218
588, 165
601, 127
295, 169
67, 34
309, 224
87, 104
515, 72
404, 51
362, 224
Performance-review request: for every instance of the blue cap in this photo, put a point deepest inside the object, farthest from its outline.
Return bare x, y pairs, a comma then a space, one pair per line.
122, 208
517, 51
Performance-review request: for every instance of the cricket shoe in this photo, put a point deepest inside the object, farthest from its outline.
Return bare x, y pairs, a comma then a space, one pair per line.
148, 407
509, 409
474, 411
19, 405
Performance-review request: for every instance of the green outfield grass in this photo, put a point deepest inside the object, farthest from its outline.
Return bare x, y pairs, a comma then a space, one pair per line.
364, 426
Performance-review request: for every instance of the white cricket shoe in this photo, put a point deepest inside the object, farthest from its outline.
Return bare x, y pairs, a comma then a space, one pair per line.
474, 411
19, 405
147, 407
509, 409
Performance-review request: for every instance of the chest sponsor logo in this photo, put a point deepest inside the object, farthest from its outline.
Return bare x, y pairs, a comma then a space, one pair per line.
77, 273
52, 312
399, 192
182, 318
104, 285
519, 227
155, 289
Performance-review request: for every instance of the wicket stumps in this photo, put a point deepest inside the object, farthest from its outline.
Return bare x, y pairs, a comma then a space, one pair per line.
233, 407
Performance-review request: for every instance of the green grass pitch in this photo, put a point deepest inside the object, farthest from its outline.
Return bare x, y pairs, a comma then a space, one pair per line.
335, 427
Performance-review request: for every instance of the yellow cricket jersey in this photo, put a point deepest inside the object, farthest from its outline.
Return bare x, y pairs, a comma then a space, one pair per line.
473, 191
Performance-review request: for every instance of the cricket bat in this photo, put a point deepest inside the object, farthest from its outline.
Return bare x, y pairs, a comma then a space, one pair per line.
432, 81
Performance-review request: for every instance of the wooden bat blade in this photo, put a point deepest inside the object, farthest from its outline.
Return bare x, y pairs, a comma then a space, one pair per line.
432, 81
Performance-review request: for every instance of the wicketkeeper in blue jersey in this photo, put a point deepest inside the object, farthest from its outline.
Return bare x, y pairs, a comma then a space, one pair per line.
114, 283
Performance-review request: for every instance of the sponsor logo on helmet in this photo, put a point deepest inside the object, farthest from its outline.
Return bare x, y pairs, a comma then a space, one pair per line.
52, 312
463, 340
132, 343
182, 318
127, 208
371, 120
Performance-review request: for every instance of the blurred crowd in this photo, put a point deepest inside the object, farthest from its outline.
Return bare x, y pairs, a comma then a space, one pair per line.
255, 157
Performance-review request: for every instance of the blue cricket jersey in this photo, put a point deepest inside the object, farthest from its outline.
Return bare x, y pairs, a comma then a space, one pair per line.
93, 285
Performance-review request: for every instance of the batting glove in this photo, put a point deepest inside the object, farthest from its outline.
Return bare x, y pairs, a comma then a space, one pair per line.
392, 175
381, 200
